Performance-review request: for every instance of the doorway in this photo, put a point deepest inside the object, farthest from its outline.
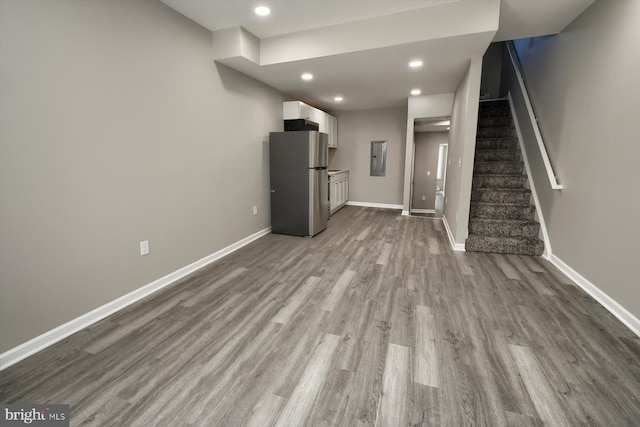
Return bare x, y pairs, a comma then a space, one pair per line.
441, 179
431, 142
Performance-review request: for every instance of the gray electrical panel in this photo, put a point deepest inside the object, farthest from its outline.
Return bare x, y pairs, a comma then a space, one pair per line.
378, 160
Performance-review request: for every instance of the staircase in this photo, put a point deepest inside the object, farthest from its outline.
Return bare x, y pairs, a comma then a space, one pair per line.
501, 214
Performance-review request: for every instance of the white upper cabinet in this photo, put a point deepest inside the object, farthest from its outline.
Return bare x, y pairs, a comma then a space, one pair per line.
332, 130
297, 110
321, 120
326, 122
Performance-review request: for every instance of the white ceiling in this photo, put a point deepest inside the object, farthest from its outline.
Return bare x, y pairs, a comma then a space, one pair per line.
359, 49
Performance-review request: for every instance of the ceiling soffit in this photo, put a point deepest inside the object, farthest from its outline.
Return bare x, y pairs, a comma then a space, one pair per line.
433, 23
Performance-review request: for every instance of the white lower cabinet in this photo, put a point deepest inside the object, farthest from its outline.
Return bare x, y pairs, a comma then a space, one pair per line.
338, 190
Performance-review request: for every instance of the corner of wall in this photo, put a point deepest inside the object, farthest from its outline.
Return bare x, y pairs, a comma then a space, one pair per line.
462, 142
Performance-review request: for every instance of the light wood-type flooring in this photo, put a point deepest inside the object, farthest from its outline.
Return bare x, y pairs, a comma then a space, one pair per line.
375, 321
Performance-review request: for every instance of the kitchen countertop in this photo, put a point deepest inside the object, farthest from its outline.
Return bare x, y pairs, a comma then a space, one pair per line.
336, 171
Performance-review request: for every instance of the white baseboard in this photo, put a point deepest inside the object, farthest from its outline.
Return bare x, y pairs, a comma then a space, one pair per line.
374, 205
455, 246
405, 213
34, 345
628, 319
423, 211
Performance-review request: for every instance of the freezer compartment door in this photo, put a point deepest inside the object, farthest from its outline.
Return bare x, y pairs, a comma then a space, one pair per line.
318, 149
318, 200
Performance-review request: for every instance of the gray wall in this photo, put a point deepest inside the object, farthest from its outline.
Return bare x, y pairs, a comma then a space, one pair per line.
356, 130
426, 159
492, 70
117, 127
462, 143
584, 89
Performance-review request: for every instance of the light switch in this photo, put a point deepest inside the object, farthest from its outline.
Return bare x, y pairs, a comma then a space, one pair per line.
144, 248
428, 173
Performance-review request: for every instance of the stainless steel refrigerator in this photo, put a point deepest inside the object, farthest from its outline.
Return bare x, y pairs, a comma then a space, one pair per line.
299, 182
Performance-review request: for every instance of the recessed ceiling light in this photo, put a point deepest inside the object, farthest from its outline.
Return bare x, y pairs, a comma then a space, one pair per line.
307, 76
262, 10
415, 64
416, 92
338, 99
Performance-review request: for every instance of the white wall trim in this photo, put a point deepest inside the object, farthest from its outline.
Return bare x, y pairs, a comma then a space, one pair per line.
405, 213
628, 319
34, 345
374, 205
543, 225
455, 246
423, 211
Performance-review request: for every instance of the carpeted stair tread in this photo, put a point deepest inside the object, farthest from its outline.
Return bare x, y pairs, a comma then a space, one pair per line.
498, 155
494, 103
496, 132
500, 195
501, 210
504, 121
504, 227
504, 245
498, 167
503, 174
499, 181
493, 112
497, 143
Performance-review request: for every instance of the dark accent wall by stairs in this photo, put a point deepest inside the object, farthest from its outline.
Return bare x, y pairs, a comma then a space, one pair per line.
501, 218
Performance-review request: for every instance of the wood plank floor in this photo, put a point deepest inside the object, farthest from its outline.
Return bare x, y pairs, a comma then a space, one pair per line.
373, 322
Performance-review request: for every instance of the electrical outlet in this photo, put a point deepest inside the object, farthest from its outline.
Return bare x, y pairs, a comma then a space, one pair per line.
255, 210
428, 173
144, 248
460, 162
424, 197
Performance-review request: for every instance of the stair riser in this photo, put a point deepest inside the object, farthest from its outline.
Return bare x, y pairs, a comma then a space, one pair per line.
498, 168
493, 112
479, 210
526, 247
497, 144
510, 181
495, 103
487, 122
497, 132
497, 196
498, 156
530, 231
